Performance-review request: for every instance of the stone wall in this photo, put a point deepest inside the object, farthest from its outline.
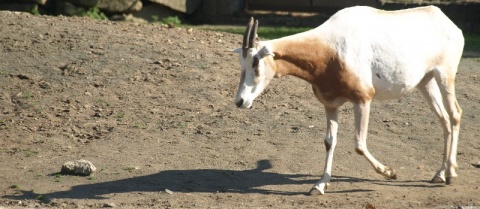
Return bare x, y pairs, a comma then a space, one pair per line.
71, 7
464, 13
198, 11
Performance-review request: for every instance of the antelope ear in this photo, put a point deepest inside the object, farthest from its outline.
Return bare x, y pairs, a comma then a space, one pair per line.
266, 51
237, 50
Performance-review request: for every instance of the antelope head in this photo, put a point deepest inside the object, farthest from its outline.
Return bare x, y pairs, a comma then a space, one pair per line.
257, 67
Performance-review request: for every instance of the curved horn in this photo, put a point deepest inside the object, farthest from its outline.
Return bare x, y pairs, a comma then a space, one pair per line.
253, 35
246, 35
246, 38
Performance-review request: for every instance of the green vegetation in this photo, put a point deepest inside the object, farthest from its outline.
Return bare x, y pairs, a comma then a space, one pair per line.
472, 42
265, 32
93, 13
27, 152
30, 153
174, 20
58, 177
40, 197
3, 125
27, 95
103, 102
38, 176
121, 115
182, 124
137, 125
203, 67
129, 168
35, 11
14, 186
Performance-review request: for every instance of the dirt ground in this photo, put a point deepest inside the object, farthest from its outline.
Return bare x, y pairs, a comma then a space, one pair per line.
152, 107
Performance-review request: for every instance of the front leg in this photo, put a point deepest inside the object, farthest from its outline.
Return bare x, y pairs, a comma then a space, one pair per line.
330, 142
362, 114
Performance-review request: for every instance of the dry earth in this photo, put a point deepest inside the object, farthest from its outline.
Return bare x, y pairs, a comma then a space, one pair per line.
152, 108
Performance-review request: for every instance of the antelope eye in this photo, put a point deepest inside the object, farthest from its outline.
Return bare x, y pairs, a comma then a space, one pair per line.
255, 62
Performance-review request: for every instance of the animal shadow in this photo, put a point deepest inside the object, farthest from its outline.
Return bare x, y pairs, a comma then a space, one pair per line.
185, 181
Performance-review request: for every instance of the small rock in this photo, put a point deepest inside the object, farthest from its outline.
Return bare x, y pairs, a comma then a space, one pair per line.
477, 165
79, 167
369, 206
168, 191
109, 205
23, 77
44, 85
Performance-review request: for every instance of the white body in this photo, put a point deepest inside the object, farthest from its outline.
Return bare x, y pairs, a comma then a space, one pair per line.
392, 51
361, 54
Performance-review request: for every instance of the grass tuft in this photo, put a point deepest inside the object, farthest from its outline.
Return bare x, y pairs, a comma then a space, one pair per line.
266, 32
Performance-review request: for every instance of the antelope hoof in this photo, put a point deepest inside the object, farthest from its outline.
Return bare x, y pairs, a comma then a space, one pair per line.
390, 173
449, 180
437, 180
315, 192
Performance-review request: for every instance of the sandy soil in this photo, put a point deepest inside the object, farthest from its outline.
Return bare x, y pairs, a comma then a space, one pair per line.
153, 109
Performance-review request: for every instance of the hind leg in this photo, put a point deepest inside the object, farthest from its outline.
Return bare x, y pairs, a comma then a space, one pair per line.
455, 113
446, 83
433, 96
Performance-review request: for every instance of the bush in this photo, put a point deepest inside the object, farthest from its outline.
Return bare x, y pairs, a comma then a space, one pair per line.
93, 13
167, 20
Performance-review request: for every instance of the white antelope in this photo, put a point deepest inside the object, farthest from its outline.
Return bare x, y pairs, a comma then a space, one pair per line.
360, 54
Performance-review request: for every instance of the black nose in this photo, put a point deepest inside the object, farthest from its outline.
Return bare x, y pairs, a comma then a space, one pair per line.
239, 103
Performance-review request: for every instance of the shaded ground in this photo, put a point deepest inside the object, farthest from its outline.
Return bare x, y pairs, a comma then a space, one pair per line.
153, 109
